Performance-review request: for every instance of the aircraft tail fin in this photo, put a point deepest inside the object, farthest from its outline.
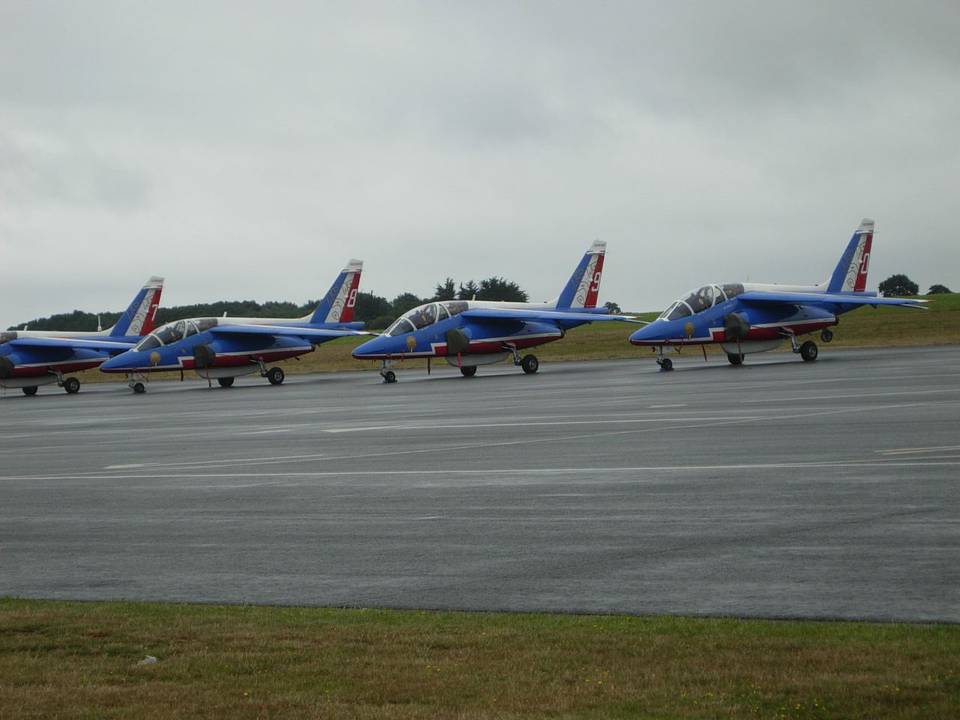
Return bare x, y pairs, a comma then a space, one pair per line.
338, 304
139, 317
583, 286
850, 275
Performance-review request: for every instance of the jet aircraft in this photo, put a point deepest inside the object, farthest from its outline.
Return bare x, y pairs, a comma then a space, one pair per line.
471, 333
225, 348
748, 318
30, 358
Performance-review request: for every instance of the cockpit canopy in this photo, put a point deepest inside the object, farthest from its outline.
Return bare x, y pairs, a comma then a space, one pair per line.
174, 331
425, 315
699, 300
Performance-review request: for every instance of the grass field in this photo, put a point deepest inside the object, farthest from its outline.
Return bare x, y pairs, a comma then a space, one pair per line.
82, 660
865, 327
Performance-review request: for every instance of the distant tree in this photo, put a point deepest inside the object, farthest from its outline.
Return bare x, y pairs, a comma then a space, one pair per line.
379, 323
468, 291
370, 306
445, 290
939, 290
497, 288
403, 302
898, 286
613, 308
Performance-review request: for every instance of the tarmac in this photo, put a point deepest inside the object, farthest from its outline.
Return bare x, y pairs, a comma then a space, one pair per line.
777, 489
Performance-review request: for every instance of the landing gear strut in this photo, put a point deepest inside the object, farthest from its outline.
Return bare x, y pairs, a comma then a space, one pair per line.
665, 363
528, 363
135, 381
388, 375
808, 351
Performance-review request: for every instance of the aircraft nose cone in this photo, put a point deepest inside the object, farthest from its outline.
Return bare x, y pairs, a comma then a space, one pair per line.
653, 331
117, 363
367, 349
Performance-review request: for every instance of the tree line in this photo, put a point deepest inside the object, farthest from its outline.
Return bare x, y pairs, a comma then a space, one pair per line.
376, 311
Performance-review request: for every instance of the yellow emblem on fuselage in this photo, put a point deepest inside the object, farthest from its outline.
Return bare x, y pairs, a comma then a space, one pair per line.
154, 358
688, 329
411, 343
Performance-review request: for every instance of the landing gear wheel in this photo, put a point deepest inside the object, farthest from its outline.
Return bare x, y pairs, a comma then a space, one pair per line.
30, 390
138, 388
228, 381
809, 351
468, 370
529, 364
826, 335
735, 358
71, 385
389, 377
274, 375
666, 364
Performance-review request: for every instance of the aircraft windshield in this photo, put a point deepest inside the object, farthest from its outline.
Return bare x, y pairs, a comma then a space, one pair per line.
701, 299
424, 316
174, 331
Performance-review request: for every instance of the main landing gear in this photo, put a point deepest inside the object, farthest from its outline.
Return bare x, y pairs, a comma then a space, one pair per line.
528, 363
275, 376
225, 382
735, 358
826, 335
468, 370
30, 390
808, 350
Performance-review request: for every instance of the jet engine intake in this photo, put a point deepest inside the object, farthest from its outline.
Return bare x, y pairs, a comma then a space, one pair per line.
736, 326
204, 356
457, 341
6, 368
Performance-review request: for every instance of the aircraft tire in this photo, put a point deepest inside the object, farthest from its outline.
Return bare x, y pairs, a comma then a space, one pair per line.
735, 358
826, 335
529, 364
275, 375
225, 382
138, 388
809, 351
71, 385
666, 364
389, 377
468, 370
30, 390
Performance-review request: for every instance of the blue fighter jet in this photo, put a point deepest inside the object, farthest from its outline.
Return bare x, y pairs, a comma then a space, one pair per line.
225, 348
471, 333
747, 318
30, 358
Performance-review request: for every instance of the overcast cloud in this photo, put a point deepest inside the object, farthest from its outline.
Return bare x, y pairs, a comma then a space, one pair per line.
249, 150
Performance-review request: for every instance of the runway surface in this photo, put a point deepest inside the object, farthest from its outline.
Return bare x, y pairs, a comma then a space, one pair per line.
779, 489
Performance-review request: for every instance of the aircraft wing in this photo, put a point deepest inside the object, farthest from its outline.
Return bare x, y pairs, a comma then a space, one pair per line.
315, 335
71, 344
540, 315
800, 298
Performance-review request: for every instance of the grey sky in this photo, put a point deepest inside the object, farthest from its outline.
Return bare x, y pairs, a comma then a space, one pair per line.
248, 150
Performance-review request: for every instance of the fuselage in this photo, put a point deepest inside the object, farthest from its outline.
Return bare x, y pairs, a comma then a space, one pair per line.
439, 329
191, 345
703, 317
